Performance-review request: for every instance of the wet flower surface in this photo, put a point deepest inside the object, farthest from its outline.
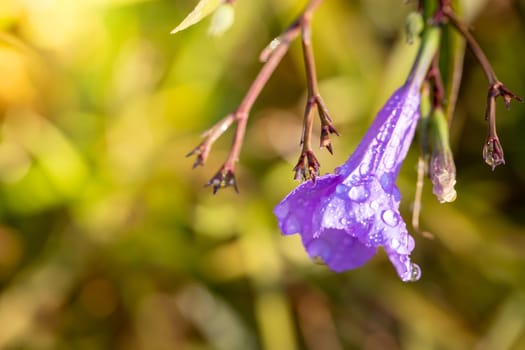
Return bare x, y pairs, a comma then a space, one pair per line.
344, 217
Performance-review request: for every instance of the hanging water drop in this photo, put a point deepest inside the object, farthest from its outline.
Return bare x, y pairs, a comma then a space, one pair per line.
390, 217
415, 272
319, 250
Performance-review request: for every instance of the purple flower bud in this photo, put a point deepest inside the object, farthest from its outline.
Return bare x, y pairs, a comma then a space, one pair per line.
344, 217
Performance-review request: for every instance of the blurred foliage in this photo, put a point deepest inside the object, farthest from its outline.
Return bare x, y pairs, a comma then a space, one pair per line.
109, 241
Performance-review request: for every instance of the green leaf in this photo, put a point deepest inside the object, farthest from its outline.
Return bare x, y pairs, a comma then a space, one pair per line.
222, 20
203, 9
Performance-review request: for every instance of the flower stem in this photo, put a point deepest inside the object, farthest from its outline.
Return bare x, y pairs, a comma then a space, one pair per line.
308, 166
311, 79
427, 52
271, 56
473, 44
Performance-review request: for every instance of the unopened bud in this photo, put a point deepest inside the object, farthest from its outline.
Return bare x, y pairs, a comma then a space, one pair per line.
442, 170
223, 178
307, 167
326, 130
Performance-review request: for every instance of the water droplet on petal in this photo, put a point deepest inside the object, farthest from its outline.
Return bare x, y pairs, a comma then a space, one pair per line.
319, 250
339, 189
365, 168
374, 205
415, 272
389, 161
359, 193
402, 243
394, 243
396, 194
291, 226
376, 238
387, 182
383, 135
390, 217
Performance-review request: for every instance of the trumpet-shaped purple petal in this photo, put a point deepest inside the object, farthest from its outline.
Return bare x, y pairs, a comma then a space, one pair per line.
344, 217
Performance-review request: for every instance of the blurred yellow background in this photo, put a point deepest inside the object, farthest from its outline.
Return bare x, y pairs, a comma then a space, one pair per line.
108, 239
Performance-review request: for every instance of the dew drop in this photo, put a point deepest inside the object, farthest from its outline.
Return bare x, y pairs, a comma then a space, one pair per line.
374, 205
389, 217
387, 182
383, 135
389, 160
415, 272
319, 250
375, 238
394, 243
291, 226
396, 194
339, 189
402, 244
365, 168
359, 193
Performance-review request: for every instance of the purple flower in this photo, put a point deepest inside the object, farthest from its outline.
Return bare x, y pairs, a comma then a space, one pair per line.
344, 217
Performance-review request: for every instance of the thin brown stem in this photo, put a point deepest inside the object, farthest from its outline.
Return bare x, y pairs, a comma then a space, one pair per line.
311, 79
266, 71
314, 100
473, 44
492, 150
438, 89
310, 8
308, 166
271, 56
309, 60
273, 60
210, 136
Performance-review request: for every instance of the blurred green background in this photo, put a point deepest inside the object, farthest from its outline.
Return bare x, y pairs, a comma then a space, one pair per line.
108, 239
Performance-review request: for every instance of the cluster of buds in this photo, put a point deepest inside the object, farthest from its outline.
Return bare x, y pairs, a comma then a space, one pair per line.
307, 166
